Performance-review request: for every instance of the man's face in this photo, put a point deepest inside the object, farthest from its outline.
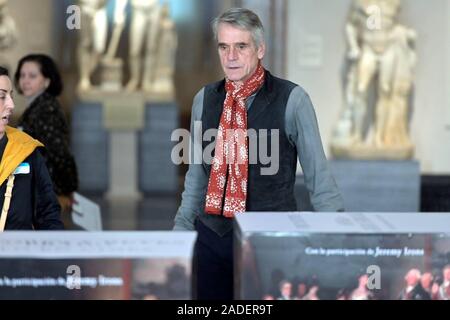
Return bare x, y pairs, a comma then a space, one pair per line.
286, 289
238, 53
412, 277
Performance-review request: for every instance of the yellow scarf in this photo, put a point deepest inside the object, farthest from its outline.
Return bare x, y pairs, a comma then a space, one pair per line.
20, 145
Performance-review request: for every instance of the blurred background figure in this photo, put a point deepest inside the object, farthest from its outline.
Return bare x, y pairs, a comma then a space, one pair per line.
92, 41
301, 291
8, 31
361, 292
37, 78
413, 289
312, 293
119, 25
143, 37
444, 289
341, 294
426, 281
111, 66
163, 81
285, 290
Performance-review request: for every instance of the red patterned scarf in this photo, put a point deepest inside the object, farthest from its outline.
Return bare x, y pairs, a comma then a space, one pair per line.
229, 169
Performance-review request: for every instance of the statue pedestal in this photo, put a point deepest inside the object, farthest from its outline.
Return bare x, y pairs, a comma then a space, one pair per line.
123, 169
123, 117
106, 156
372, 186
364, 152
383, 186
122, 144
90, 144
157, 172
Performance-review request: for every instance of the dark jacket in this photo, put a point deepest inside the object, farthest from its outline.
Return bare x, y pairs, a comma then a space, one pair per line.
33, 204
418, 293
45, 121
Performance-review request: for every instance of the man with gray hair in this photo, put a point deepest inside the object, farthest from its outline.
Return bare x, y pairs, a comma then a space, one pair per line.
413, 289
248, 100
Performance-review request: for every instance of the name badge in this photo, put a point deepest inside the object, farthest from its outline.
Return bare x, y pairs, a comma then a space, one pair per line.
23, 168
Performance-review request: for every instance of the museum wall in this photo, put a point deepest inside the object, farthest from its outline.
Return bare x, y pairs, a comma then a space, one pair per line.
316, 49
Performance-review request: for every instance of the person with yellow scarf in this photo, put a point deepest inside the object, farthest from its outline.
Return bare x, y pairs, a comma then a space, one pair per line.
27, 198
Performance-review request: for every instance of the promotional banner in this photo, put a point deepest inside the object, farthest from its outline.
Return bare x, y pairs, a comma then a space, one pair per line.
102, 265
345, 256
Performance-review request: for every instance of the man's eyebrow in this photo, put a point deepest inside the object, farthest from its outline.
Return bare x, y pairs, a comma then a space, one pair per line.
236, 44
4, 90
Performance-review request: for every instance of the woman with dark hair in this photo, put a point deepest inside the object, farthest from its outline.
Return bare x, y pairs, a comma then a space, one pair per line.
38, 79
26, 193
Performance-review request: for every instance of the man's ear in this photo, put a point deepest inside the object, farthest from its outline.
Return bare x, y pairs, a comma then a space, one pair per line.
261, 50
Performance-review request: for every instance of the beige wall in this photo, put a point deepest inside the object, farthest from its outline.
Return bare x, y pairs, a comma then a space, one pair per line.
321, 24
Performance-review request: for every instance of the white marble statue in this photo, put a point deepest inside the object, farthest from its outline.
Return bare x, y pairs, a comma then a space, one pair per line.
8, 30
152, 47
119, 20
143, 43
380, 49
92, 39
167, 43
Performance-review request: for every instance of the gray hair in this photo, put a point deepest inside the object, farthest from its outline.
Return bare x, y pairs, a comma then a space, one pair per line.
242, 19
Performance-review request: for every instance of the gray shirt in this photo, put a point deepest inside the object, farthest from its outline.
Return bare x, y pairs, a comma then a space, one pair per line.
303, 133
